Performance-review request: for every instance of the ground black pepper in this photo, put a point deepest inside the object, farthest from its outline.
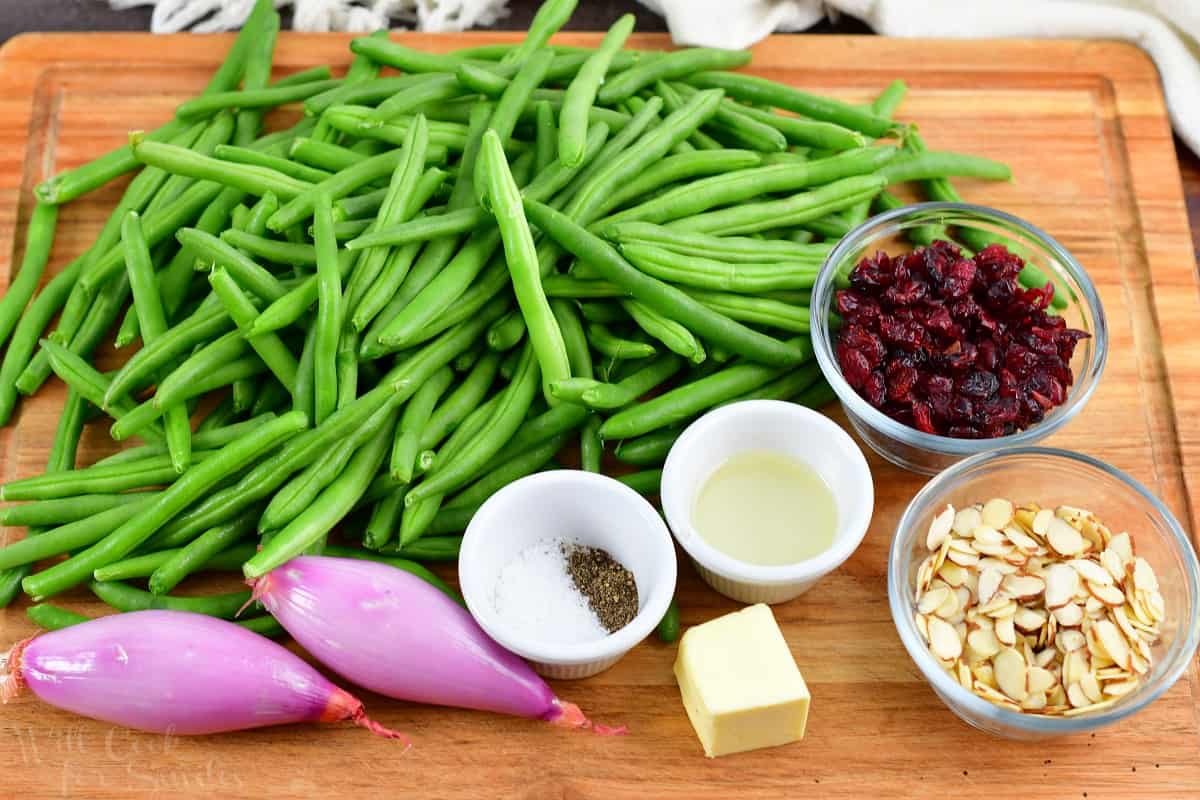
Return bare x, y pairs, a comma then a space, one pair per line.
609, 588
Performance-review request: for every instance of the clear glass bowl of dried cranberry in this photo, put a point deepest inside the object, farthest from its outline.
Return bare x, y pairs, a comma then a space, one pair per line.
940, 350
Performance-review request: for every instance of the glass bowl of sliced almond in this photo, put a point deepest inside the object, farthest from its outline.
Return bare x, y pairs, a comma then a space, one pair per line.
1042, 592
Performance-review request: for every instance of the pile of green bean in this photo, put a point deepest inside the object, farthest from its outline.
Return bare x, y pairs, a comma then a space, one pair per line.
432, 284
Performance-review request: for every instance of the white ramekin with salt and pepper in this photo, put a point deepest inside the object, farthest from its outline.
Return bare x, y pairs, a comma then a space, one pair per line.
567, 569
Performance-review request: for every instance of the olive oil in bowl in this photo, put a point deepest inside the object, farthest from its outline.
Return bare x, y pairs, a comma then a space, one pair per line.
764, 507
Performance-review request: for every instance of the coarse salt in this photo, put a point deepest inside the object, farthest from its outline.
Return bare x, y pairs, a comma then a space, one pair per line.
537, 596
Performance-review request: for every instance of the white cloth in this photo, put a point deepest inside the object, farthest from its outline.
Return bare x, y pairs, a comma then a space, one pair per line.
204, 16
1168, 30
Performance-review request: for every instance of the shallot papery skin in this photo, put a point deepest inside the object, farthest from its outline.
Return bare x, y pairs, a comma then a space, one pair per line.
175, 672
393, 633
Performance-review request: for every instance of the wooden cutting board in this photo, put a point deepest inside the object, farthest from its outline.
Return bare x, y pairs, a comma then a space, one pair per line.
1083, 126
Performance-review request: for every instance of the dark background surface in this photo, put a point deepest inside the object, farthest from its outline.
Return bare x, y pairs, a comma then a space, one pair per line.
18, 16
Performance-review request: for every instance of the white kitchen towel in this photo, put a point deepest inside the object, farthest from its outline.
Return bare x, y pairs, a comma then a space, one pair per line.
1168, 30
204, 16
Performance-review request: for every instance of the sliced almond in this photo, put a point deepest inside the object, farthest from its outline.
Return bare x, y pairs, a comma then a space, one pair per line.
1006, 633
1041, 521
1077, 697
952, 574
1113, 565
1034, 701
1120, 688
989, 582
1029, 620
922, 626
949, 606
998, 564
1144, 579
1155, 605
1108, 595
1021, 539
1040, 680
1023, 586
1068, 616
1091, 687
939, 529
1045, 658
986, 534
943, 639
1010, 673
1122, 546
982, 643
965, 678
1064, 539
997, 512
1069, 640
1090, 709
962, 559
966, 519
1091, 571
932, 599
924, 576
1113, 642
1062, 583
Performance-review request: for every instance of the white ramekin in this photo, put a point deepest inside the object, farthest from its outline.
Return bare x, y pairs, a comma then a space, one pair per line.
799, 432
569, 504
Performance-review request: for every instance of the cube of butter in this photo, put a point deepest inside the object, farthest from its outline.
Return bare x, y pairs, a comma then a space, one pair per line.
740, 686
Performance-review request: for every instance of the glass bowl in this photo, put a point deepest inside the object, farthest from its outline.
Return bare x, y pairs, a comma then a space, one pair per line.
925, 452
1052, 477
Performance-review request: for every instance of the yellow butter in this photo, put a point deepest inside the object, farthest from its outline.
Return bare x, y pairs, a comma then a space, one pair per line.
740, 686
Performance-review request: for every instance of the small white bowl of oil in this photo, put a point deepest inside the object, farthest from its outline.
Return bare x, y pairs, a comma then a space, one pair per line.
766, 497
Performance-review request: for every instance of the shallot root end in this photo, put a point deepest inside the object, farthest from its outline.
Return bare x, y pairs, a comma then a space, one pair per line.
570, 716
10, 671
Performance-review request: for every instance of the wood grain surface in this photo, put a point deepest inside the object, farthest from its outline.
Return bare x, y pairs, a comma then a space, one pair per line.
1084, 128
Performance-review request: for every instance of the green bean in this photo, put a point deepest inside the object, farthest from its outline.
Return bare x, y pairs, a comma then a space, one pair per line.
605, 396
734, 187
454, 520
506, 332
329, 311
676, 337
396, 208
356, 121
337, 186
730, 125
176, 278
437, 548
934, 164
325, 156
208, 437
245, 155
582, 91
202, 326
59, 511
574, 337
197, 368
508, 109
677, 64
649, 450
270, 348
153, 324
803, 207
394, 388
521, 257
71, 536
502, 471
550, 17
546, 138
591, 449
825, 135
614, 347
333, 503
424, 228
143, 566
734, 249
176, 388
689, 399
25, 336
253, 98
403, 58
499, 428
187, 489
128, 598
65, 447
196, 554
603, 313
406, 101
243, 393
384, 519
156, 227
644, 482
309, 75
754, 90
791, 386
367, 92
303, 392
569, 287
413, 421
39, 236
558, 420
299, 493
216, 252
586, 205
668, 626
755, 310
250, 178
101, 478
215, 132
671, 302
680, 167
703, 273
405, 564
53, 618
465, 398
89, 383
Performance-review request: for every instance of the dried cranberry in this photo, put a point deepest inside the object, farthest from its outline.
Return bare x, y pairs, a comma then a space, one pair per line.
952, 345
